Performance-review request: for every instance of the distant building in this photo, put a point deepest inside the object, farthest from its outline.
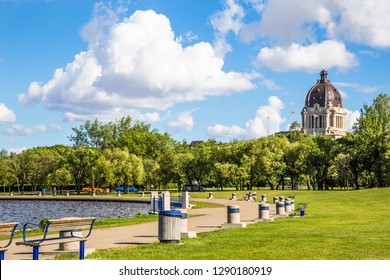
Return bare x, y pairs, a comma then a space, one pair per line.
323, 113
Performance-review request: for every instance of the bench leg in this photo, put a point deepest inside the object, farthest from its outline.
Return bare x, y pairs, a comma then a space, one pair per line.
82, 250
2, 256
35, 253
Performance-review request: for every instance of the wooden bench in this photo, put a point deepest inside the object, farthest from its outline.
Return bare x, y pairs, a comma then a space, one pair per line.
7, 230
68, 225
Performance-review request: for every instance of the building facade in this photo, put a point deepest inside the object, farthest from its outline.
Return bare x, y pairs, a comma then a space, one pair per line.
323, 113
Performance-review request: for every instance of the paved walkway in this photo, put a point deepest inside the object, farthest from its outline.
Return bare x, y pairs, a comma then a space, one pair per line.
207, 219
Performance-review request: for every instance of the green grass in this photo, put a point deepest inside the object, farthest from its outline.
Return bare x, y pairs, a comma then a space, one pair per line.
338, 225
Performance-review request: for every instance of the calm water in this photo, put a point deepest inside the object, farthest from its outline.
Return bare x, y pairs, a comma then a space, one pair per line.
24, 211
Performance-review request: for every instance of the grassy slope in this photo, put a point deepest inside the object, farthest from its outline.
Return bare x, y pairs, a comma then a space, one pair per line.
338, 225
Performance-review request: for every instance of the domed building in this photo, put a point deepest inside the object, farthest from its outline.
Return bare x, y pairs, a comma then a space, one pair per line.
323, 113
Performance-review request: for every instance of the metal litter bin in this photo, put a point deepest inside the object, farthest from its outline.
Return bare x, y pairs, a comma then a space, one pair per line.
169, 226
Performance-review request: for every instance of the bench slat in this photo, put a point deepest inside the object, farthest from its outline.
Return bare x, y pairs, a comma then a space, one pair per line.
51, 241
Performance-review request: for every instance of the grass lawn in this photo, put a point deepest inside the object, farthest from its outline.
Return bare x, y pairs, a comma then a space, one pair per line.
338, 225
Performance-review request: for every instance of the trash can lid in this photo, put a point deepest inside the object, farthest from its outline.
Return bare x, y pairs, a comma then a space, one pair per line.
170, 213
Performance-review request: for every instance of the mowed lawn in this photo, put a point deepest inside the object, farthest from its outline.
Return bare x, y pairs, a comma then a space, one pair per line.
339, 225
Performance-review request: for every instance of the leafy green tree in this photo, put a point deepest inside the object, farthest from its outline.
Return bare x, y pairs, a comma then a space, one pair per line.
372, 132
81, 160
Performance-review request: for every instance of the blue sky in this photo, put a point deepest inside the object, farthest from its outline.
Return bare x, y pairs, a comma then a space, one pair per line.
223, 69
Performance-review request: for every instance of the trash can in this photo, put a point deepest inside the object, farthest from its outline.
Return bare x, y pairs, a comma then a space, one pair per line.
302, 212
169, 226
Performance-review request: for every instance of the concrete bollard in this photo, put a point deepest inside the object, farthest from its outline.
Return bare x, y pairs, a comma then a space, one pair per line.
249, 197
281, 198
292, 205
184, 226
264, 212
40, 194
153, 202
71, 246
118, 194
264, 198
142, 194
67, 193
276, 199
11, 194
234, 196
254, 196
169, 226
166, 200
233, 217
185, 200
280, 208
287, 205
93, 193
210, 196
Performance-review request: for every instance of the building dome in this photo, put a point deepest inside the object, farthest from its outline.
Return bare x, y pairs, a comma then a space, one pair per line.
323, 93
323, 112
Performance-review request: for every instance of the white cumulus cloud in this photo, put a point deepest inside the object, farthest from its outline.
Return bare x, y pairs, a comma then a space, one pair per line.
311, 58
267, 120
184, 121
6, 115
135, 64
352, 118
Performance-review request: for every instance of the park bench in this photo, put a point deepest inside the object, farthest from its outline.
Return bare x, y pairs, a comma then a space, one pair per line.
31, 193
69, 229
7, 230
301, 208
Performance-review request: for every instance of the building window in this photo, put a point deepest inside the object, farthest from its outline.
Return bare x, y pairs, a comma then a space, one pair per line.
320, 121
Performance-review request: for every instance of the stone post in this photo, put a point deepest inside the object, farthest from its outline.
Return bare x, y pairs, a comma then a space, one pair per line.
264, 212
153, 202
234, 196
185, 200
280, 208
71, 246
233, 217
118, 194
264, 198
287, 205
184, 226
276, 199
67, 193
210, 196
166, 200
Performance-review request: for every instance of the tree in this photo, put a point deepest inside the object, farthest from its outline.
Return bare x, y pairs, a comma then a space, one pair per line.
372, 132
81, 160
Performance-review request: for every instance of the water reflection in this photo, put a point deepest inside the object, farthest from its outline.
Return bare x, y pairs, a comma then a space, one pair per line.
24, 211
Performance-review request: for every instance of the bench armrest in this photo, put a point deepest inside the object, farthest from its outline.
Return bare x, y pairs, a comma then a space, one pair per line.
26, 226
90, 229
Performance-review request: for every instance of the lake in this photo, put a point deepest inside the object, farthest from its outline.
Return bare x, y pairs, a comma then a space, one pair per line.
24, 211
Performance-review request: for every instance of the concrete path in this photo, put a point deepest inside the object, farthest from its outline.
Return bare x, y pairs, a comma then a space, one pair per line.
208, 219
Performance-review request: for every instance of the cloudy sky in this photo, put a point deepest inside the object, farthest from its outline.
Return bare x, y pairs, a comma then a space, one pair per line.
197, 69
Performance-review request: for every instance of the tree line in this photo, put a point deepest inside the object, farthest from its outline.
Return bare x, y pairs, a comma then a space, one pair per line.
127, 153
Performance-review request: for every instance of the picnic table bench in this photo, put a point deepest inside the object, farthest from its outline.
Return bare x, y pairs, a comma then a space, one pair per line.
65, 225
8, 230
